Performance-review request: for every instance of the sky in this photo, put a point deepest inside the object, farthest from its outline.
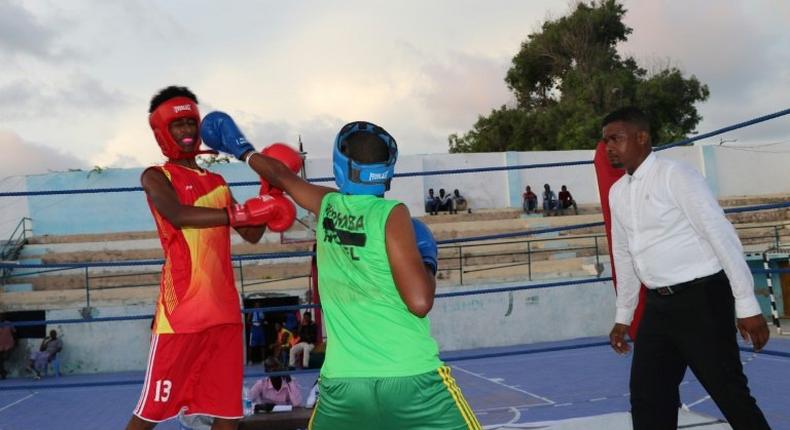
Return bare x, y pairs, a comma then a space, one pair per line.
76, 77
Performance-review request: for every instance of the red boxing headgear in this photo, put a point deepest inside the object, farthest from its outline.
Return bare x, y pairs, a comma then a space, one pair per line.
163, 115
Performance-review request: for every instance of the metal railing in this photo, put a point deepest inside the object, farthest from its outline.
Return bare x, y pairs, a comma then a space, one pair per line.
17, 239
527, 255
524, 252
768, 235
12, 247
774, 234
138, 278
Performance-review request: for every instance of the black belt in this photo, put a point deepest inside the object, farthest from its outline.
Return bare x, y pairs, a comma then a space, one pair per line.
674, 289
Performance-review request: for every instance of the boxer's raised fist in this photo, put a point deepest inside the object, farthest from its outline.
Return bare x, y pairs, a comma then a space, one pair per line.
286, 155
277, 212
219, 132
426, 244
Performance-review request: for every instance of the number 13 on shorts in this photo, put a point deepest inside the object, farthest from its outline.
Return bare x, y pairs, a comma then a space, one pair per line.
162, 390
178, 376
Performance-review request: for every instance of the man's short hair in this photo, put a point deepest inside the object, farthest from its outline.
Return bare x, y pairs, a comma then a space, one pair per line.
272, 364
631, 115
169, 93
366, 148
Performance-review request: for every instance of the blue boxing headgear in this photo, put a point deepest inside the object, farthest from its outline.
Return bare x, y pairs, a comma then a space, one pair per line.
354, 177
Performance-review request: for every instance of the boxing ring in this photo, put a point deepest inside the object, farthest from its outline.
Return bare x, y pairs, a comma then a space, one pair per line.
578, 383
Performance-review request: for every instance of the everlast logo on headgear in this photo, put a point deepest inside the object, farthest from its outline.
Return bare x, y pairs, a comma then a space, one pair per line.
378, 176
166, 113
180, 108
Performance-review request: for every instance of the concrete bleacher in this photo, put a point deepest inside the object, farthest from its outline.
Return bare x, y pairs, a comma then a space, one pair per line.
492, 263
573, 253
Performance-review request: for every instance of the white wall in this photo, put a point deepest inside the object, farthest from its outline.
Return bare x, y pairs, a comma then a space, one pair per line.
522, 317
580, 179
728, 172
482, 190
457, 323
689, 155
746, 173
12, 209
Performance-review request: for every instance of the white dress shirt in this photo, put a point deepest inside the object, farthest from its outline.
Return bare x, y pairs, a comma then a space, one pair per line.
667, 228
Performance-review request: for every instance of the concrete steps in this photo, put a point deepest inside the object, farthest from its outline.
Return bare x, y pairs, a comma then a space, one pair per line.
547, 255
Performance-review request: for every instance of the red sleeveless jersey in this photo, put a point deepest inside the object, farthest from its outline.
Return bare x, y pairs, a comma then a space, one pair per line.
197, 289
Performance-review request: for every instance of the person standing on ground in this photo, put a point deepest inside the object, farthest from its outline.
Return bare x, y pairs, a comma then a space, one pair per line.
7, 343
669, 232
376, 269
198, 319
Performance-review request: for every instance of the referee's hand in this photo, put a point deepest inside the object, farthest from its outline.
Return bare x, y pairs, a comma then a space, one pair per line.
617, 338
754, 329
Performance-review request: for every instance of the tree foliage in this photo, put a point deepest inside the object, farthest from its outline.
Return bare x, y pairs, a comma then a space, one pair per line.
568, 76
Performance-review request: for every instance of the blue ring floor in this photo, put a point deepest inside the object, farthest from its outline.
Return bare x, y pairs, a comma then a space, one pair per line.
509, 391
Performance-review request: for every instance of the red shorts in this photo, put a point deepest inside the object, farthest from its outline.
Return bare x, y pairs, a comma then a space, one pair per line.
201, 373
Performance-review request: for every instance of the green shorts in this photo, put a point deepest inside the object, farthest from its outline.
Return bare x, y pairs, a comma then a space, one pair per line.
430, 401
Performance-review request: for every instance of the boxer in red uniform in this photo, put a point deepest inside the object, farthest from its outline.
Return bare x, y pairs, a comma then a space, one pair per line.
195, 361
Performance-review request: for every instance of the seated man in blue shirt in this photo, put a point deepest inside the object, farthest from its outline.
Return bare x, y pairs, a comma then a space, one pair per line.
431, 203
549, 200
445, 201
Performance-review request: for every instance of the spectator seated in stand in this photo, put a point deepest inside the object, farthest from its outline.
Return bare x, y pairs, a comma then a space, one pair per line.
566, 200
275, 390
459, 202
292, 321
431, 203
529, 201
550, 203
280, 349
47, 352
445, 201
304, 343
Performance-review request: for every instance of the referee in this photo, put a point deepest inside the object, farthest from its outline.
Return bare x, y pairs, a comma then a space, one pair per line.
669, 233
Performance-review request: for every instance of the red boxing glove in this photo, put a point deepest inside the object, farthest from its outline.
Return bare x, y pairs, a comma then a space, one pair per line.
286, 214
285, 154
277, 212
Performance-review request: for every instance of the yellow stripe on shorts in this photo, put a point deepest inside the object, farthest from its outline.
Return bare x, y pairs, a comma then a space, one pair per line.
312, 416
458, 397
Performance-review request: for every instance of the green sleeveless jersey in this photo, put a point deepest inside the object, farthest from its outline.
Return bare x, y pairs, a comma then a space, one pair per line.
370, 332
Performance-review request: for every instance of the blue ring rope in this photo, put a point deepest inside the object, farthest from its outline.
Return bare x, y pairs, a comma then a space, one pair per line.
453, 294
522, 287
431, 172
312, 306
277, 255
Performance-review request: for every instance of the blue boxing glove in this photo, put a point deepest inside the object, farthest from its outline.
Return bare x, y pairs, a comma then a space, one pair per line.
426, 244
219, 132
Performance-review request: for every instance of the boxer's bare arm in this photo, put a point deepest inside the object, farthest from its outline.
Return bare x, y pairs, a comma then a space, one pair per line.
414, 281
162, 195
305, 194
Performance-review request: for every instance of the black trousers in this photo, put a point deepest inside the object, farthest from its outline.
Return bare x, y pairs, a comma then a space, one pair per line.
694, 328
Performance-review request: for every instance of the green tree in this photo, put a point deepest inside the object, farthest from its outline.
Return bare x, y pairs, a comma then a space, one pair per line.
568, 76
